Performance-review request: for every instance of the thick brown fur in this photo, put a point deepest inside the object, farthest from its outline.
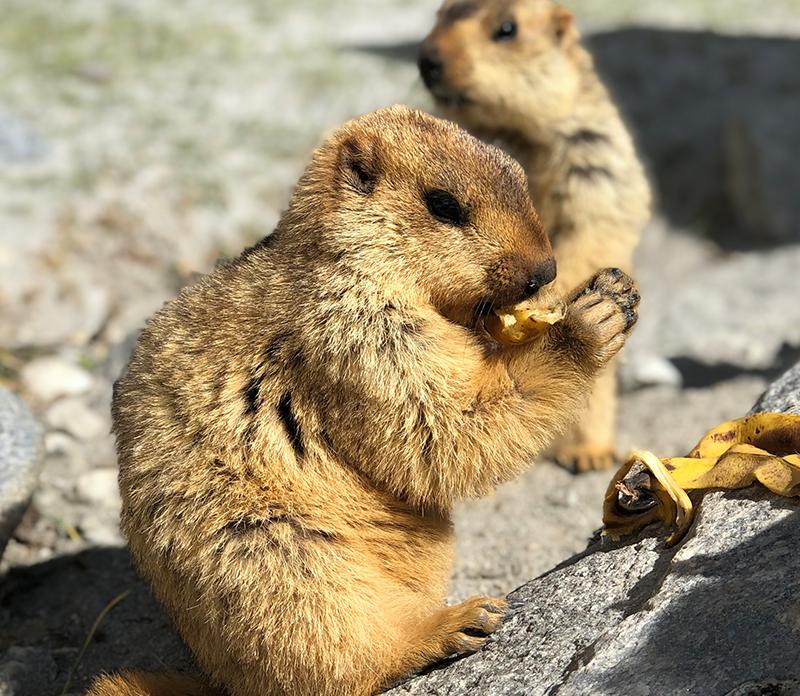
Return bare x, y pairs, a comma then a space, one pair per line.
144, 684
536, 93
293, 429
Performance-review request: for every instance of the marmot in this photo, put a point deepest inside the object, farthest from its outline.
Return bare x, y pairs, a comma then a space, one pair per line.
294, 428
514, 73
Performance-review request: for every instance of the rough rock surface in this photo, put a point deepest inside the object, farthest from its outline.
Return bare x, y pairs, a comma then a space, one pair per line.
716, 615
20, 461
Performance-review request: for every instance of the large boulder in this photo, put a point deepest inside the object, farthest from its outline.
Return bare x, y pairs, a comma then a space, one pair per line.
718, 614
21, 456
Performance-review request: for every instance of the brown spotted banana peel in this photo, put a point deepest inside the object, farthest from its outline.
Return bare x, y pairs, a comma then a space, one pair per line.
763, 448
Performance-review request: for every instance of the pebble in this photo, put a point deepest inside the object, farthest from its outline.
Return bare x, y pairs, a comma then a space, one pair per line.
72, 415
101, 530
648, 370
98, 486
47, 379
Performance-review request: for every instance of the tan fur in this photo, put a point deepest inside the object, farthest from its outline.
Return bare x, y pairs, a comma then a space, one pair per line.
294, 429
142, 684
537, 95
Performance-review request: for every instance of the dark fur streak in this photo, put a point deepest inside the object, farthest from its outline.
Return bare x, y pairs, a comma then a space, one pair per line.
295, 359
264, 243
411, 327
392, 526
273, 348
252, 396
240, 528
290, 424
590, 172
587, 136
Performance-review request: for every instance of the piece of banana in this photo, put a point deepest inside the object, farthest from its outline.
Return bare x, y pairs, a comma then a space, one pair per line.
523, 322
760, 448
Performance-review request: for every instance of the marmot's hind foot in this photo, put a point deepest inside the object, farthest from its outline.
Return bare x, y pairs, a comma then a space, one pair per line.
465, 627
580, 459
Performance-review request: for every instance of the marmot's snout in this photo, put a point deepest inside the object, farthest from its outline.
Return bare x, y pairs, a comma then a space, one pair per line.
431, 65
514, 280
434, 73
541, 276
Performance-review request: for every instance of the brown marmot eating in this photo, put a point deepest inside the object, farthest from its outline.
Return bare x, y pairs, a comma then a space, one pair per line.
294, 428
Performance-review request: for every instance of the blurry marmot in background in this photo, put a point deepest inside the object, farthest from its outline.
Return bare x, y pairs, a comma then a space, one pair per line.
515, 74
294, 429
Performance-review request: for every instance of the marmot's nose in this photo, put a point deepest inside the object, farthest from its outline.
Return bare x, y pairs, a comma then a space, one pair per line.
431, 66
542, 275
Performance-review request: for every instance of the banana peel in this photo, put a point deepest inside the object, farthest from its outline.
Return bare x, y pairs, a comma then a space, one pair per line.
763, 448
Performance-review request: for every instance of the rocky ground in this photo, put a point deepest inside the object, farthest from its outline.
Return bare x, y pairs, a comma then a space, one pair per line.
140, 142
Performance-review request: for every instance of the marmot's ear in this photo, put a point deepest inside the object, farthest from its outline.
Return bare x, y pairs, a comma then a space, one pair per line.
359, 163
563, 22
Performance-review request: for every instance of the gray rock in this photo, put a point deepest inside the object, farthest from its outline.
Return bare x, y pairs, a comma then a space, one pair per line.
21, 454
716, 615
74, 416
782, 395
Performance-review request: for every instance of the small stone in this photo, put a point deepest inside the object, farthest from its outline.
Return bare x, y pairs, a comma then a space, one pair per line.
72, 415
47, 379
648, 370
101, 530
98, 486
56, 443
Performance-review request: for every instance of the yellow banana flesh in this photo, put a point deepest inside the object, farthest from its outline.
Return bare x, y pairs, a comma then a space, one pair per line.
763, 448
523, 322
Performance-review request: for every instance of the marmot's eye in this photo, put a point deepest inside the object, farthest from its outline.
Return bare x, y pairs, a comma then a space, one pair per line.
445, 208
506, 31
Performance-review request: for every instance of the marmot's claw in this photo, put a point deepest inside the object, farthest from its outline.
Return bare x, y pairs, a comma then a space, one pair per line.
631, 317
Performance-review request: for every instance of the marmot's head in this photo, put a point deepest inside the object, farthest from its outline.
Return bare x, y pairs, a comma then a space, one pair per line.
418, 203
502, 64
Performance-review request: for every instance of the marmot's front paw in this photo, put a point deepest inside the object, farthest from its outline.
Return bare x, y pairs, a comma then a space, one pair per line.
602, 313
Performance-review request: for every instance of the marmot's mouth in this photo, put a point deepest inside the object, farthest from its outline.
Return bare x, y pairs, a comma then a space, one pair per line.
449, 98
482, 310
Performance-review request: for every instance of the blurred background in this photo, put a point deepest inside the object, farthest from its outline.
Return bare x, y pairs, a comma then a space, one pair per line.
142, 141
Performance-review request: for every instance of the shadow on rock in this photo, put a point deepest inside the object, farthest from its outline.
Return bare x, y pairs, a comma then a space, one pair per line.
716, 119
47, 611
